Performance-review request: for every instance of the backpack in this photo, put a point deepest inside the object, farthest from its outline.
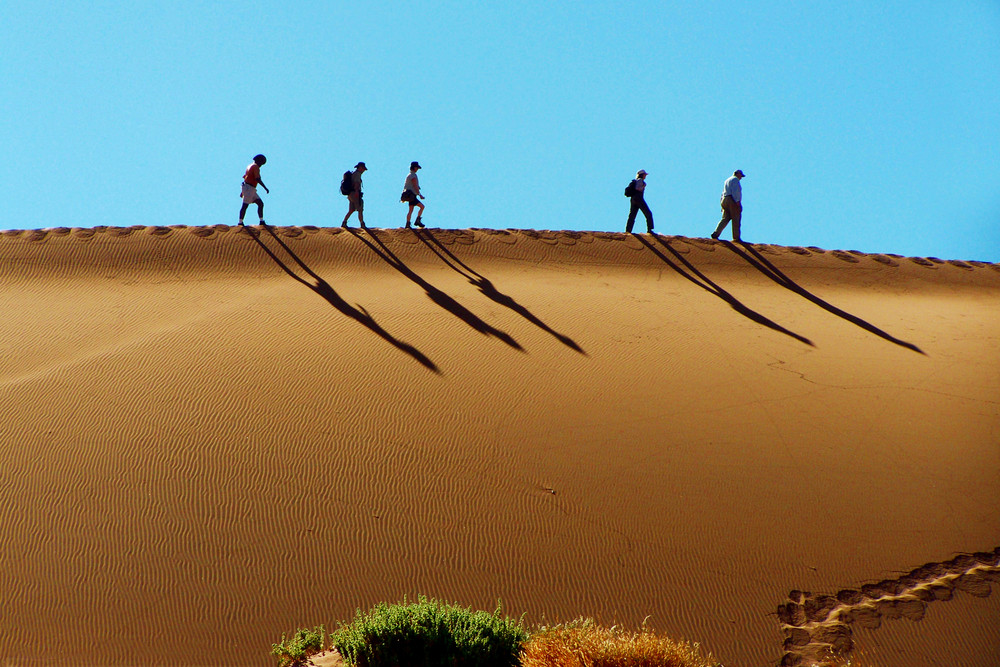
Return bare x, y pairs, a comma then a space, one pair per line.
347, 184
630, 189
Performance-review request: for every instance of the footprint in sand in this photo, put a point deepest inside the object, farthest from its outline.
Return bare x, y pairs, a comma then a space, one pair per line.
818, 627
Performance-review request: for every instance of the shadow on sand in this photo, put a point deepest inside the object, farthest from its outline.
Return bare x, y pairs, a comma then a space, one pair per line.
324, 289
487, 288
436, 295
702, 281
759, 262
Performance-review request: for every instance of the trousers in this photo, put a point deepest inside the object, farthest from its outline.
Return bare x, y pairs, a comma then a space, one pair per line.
639, 204
731, 211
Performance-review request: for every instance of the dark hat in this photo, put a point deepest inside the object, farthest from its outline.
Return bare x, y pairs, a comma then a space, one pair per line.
359, 165
739, 172
259, 159
415, 165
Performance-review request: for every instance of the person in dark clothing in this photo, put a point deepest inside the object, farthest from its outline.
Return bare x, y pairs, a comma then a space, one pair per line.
638, 203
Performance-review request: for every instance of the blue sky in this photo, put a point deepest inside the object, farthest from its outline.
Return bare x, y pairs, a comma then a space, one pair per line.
861, 125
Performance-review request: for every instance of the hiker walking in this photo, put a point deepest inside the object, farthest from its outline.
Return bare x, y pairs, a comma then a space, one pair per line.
732, 205
634, 192
411, 191
251, 179
351, 186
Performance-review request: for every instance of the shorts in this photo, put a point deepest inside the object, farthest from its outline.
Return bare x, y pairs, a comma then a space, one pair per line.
410, 197
250, 195
355, 203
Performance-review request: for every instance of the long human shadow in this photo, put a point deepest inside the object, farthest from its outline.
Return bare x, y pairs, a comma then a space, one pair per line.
702, 281
759, 262
487, 288
436, 295
324, 289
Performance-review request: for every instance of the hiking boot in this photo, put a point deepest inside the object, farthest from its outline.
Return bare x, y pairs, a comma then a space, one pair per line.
715, 236
417, 222
261, 223
407, 224
239, 224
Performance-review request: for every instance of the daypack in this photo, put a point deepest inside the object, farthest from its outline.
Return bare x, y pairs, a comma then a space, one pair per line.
630, 189
347, 184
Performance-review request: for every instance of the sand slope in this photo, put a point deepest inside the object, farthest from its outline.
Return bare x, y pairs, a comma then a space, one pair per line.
213, 435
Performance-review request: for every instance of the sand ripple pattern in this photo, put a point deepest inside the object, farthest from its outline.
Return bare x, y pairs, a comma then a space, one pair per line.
818, 628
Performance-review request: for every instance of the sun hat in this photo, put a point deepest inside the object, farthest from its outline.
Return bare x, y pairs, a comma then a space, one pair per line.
359, 165
415, 165
641, 172
739, 172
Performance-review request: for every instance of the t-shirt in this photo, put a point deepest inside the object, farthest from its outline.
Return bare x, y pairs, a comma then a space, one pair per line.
356, 180
411, 183
640, 186
252, 176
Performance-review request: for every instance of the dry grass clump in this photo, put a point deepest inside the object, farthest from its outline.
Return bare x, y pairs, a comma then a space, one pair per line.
583, 643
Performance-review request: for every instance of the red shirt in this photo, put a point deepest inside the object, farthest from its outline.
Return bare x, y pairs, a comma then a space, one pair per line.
252, 177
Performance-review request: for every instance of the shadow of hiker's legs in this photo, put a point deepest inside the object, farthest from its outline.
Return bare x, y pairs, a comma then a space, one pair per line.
436, 295
487, 288
322, 288
701, 280
752, 257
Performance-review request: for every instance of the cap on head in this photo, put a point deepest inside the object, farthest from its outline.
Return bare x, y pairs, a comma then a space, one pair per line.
739, 172
415, 165
259, 159
641, 172
360, 165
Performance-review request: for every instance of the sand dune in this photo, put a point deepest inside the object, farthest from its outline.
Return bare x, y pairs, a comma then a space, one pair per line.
212, 435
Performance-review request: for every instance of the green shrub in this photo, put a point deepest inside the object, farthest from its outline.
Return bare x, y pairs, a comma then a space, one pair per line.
296, 651
430, 633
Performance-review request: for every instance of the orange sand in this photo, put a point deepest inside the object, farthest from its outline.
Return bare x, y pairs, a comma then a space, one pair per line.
209, 439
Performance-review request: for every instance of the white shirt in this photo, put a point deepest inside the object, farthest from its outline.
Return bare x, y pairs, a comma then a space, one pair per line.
732, 188
640, 185
411, 183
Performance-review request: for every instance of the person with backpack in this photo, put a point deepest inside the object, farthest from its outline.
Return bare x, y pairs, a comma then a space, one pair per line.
635, 192
351, 186
732, 205
411, 190
251, 179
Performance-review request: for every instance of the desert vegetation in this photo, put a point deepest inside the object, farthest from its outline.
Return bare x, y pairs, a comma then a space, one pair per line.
430, 633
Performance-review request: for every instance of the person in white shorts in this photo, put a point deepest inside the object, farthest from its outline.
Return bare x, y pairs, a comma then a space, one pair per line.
251, 179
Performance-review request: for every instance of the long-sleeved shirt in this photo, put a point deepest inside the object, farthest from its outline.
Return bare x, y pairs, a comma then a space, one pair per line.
732, 189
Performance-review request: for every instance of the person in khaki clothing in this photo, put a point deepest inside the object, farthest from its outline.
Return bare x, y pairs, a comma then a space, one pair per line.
732, 205
355, 198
